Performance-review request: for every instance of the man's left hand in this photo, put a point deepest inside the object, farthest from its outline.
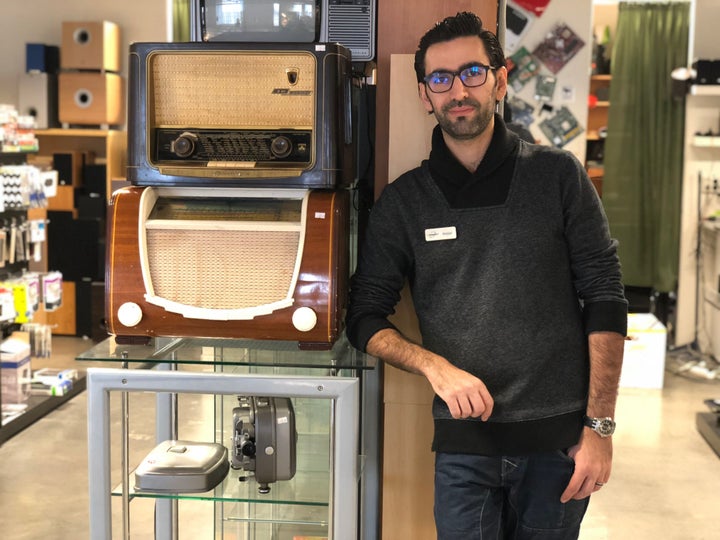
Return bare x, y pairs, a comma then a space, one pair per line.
593, 461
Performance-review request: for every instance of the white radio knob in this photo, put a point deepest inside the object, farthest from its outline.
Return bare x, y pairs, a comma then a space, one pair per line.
304, 319
129, 314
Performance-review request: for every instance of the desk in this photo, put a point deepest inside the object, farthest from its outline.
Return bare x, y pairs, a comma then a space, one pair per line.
341, 381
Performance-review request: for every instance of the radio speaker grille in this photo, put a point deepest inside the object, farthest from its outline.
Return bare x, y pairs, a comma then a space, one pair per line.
220, 90
222, 269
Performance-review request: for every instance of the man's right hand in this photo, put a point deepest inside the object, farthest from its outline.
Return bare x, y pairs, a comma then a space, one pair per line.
466, 395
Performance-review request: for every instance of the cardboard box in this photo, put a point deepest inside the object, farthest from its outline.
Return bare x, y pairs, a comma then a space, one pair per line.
15, 370
644, 361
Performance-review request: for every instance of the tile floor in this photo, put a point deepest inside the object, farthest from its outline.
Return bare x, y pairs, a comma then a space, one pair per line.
665, 483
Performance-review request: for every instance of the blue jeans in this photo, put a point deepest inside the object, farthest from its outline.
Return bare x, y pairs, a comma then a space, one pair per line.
505, 497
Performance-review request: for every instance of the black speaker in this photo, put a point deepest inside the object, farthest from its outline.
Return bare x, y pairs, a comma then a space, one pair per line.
94, 178
76, 247
90, 309
90, 205
69, 166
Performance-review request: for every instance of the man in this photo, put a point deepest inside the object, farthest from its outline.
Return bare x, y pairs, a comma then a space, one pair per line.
517, 288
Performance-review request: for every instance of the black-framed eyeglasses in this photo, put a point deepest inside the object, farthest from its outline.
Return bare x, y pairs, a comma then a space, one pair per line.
471, 76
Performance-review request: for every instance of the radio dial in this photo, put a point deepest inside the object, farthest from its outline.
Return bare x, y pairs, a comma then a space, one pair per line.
281, 147
184, 145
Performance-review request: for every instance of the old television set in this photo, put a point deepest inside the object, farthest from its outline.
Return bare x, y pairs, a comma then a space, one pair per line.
348, 22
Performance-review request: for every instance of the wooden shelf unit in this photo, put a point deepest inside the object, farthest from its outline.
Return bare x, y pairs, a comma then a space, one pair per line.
108, 145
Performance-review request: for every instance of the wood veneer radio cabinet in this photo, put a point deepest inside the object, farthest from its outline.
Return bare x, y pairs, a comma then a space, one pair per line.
403, 131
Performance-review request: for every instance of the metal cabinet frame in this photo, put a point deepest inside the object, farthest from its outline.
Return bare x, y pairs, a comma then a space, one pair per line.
344, 436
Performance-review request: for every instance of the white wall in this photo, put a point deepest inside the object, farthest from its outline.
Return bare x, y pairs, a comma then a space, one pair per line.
702, 113
40, 21
704, 38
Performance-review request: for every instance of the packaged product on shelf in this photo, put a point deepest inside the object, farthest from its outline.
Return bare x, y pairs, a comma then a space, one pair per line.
15, 368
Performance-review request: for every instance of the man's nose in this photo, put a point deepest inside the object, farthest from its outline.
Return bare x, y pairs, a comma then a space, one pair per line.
458, 88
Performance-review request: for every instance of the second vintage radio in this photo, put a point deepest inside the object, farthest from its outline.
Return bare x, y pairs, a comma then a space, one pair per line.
228, 263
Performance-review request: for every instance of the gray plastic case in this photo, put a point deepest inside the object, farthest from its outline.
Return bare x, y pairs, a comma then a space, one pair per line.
182, 467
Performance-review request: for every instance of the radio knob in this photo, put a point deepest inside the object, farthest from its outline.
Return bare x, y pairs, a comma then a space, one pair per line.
304, 319
281, 147
129, 314
184, 145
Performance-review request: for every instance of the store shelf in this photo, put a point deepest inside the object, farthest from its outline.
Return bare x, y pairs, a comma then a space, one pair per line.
705, 90
706, 141
108, 146
310, 487
37, 407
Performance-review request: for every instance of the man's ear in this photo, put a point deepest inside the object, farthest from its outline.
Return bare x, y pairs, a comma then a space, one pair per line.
501, 75
422, 92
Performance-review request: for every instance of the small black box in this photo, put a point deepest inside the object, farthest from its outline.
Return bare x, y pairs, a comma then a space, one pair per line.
707, 71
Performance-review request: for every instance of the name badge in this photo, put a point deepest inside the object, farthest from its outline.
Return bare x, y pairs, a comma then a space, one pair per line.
443, 233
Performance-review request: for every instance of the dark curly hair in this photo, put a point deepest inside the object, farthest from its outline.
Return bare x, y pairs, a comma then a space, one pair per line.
463, 24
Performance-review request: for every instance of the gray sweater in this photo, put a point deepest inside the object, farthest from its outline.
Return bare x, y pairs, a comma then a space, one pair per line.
505, 292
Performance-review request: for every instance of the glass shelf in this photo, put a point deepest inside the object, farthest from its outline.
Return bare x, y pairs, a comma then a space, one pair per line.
307, 488
230, 352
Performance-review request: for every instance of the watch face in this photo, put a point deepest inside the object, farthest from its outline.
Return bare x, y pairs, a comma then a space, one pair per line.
606, 427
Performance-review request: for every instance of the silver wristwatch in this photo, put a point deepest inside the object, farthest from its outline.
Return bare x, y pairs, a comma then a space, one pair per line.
602, 426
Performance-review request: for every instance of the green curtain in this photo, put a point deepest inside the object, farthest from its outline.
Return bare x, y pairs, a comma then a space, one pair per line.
644, 146
181, 20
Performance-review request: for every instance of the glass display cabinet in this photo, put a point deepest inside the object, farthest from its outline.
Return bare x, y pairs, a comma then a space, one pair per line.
333, 489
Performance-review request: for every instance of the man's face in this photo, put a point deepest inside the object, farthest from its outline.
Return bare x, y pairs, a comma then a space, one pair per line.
463, 113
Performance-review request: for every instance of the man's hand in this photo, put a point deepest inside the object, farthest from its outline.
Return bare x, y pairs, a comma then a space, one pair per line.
465, 395
593, 461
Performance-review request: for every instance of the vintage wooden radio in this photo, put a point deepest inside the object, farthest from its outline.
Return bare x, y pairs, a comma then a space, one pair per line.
240, 114
228, 263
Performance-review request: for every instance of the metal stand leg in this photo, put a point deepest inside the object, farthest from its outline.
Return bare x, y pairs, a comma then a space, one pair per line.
99, 460
166, 428
125, 455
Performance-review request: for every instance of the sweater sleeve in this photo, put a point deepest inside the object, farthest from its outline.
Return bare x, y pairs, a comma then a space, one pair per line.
382, 268
593, 254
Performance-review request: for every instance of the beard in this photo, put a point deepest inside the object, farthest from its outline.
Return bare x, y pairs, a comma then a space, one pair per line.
464, 127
